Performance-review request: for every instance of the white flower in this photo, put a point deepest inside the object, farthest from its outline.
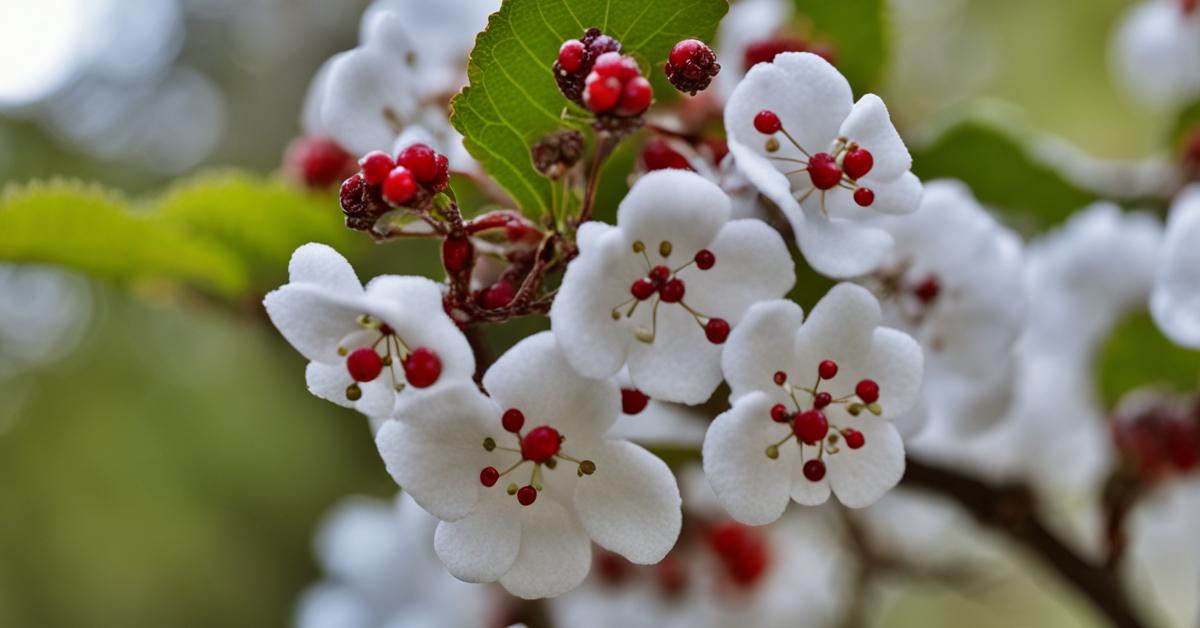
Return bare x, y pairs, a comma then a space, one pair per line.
650, 422
825, 160
381, 571
661, 290
954, 282
1156, 52
366, 347
1162, 563
1175, 300
523, 507
831, 384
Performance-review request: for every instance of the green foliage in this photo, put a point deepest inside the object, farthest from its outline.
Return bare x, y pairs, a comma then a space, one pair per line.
513, 100
225, 234
1002, 172
1137, 354
857, 30
1186, 125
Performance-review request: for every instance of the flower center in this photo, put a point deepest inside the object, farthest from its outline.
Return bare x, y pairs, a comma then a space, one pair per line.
421, 366
842, 166
541, 446
809, 424
663, 285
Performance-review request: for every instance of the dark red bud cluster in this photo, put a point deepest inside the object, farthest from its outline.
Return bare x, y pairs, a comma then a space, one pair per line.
691, 66
383, 183
575, 60
1159, 438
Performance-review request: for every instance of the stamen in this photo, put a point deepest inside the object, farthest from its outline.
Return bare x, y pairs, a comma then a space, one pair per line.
665, 248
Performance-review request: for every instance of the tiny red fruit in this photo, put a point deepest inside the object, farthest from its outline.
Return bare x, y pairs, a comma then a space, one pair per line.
421, 160
571, 55
400, 186
375, 166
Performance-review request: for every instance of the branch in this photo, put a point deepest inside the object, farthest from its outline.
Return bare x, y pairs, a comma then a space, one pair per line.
1011, 509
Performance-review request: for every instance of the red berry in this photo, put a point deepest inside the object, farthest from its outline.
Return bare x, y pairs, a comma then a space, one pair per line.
672, 291
927, 291
867, 390
691, 66
364, 364
779, 413
814, 470
497, 295
857, 162
633, 401
422, 367
827, 369
456, 254
658, 155
526, 495
642, 289
571, 54
780, 378
512, 420
767, 122
864, 197
717, 330
540, 444
705, 259
375, 166
854, 438
682, 52
822, 399
400, 186
824, 171
659, 274
810, 426
616, 65
635, 97
442, 179
488, 476
421, 160
600, 93
319, 161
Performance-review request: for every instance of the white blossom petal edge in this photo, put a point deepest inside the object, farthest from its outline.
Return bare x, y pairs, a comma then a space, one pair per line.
1175, 300
661, 290
526, 479
812, 407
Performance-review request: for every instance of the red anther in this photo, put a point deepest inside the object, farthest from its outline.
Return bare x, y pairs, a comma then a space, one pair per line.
488, 476
660, 274
822, 399
854, 438
422, 367
364, 364
857, 162
717, 330
400, 186
814, 470
780, 378
512, 420
705, 259
824, 171
658, 155
779, 413
927, 291
526, 495
601, 93
375, 166
633, 401
635, 97
672, 291
571, 55
864, 197
456, 254
540, 444
867, 390
766, 122
421, 160
642, 289
827, 369
810, 426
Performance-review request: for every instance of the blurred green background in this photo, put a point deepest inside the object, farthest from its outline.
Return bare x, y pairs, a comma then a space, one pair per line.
170, 468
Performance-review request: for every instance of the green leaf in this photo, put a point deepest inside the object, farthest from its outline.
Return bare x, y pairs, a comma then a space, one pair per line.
1186, 125
1137, 354
1002, 171
86, 228
857, 29
512, 99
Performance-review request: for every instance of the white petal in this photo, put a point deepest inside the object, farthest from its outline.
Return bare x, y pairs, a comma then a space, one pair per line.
413, 307
533, 377
329, 382
804, 491
555, 553
320, 265
896, 364
1156, 52
898, 196
680, 365
760, 345
861, 476
840, 327
482, 546
753, 488
673, 205
871, 127
662, 424
840, 248
1175, 301
631, 504
753, 264
313, 319
595, 282
378, 397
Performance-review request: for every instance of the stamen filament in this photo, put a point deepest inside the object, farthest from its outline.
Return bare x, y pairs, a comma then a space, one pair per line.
794, 142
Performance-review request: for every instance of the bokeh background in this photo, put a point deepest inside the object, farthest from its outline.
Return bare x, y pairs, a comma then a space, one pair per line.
160, 460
